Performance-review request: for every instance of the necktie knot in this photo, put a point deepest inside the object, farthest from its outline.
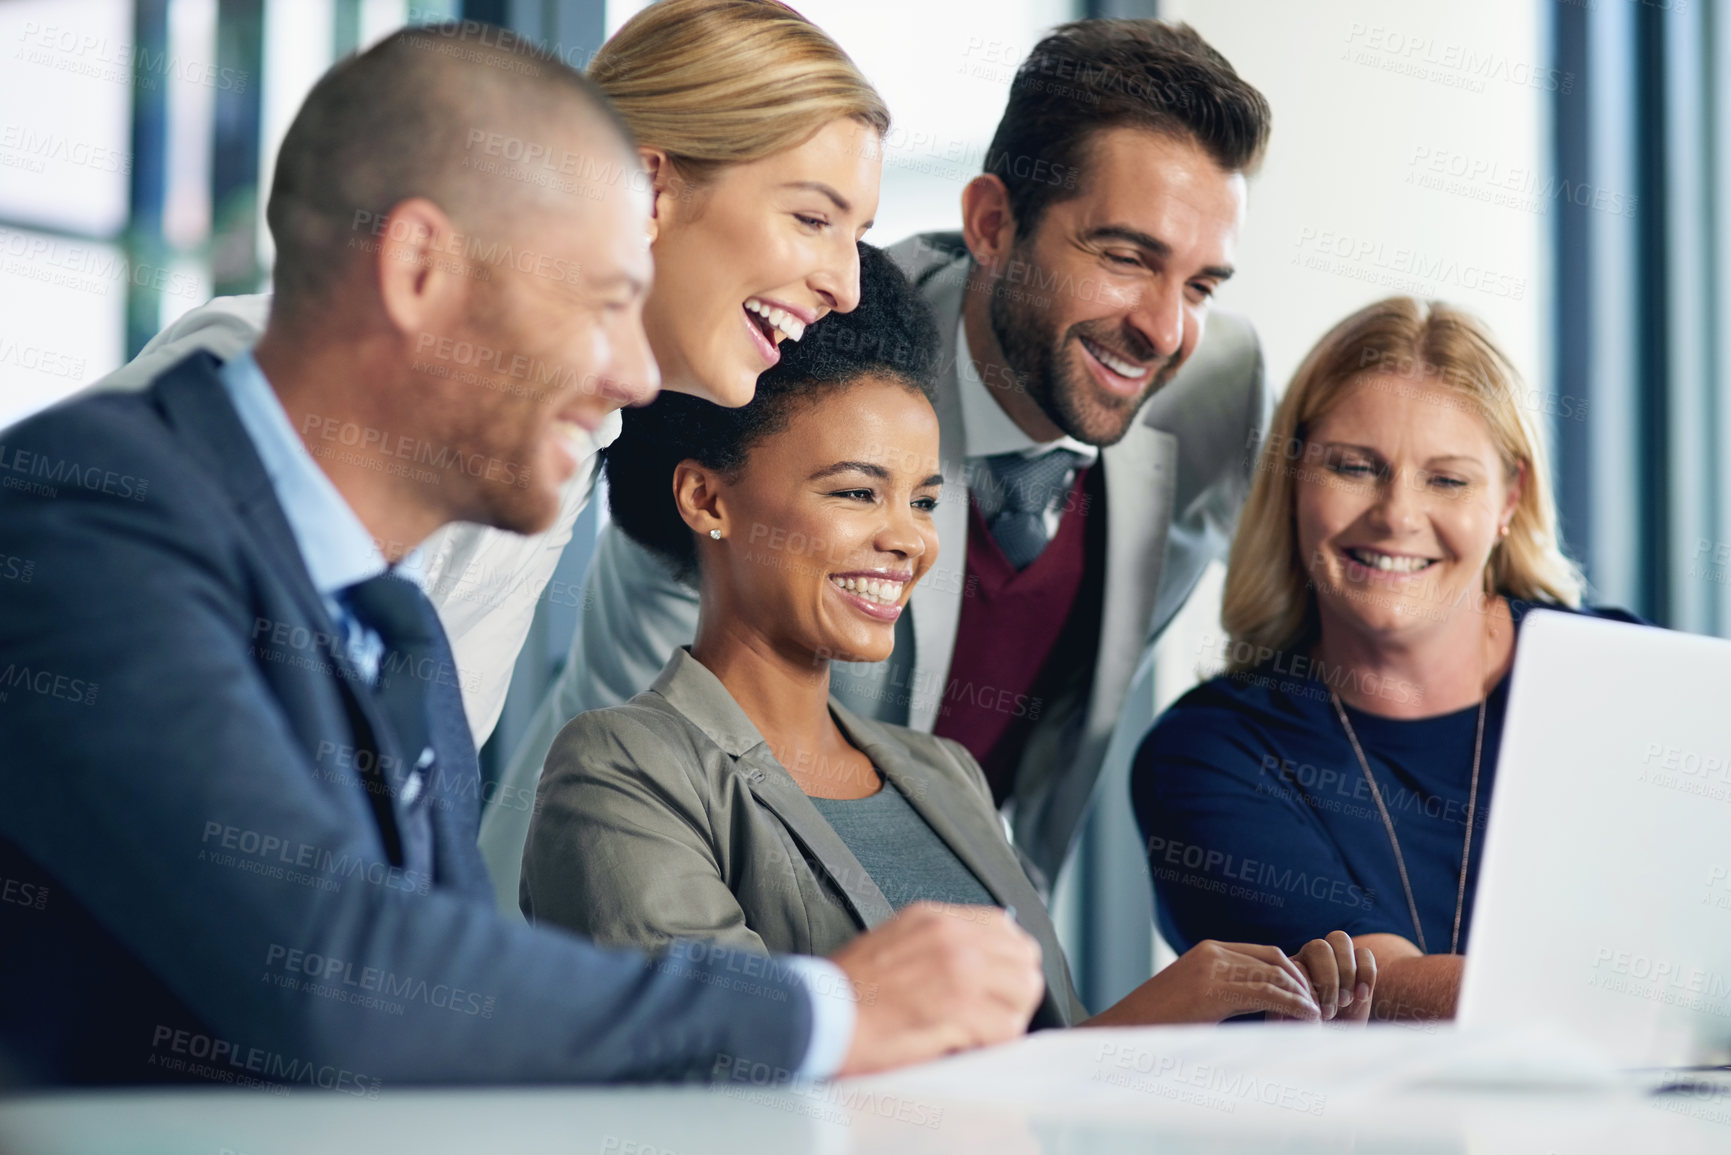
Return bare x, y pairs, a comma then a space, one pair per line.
1023, 488
1031, 484
396, 609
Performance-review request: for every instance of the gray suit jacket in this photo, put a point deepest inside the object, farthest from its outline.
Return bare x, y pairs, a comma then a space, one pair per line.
1174, 486
668, 818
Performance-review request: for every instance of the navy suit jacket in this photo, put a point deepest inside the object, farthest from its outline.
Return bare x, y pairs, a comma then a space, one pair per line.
199, 873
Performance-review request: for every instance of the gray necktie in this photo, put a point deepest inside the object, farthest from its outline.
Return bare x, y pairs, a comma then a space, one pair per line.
1028, 487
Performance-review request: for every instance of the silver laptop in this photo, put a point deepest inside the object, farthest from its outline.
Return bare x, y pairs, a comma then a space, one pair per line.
1604, 900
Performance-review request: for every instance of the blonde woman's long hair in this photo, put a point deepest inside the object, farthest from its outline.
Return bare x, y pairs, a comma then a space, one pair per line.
1268, 605
720, 82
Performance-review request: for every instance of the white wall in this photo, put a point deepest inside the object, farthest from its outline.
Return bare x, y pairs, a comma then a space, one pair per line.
1354, 136
1368, 96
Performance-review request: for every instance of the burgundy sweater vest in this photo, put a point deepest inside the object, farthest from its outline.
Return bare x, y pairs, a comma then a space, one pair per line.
1025, 636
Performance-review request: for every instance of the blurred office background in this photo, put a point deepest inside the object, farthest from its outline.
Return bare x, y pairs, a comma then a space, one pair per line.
1557, 166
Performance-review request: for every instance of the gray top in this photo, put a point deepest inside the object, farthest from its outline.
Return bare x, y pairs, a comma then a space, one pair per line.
900, 850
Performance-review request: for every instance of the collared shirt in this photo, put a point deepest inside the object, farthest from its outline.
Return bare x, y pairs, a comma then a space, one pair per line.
336, 547
338, 552
485, 583
987, 430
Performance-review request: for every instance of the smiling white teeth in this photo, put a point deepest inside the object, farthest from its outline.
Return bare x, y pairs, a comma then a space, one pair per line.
882, 591
786, 323
1117, 364
1388, 563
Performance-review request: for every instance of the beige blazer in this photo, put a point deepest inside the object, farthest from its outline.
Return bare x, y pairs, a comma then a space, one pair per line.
668, 817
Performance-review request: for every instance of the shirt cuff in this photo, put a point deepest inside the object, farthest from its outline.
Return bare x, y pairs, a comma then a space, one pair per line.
833, 1014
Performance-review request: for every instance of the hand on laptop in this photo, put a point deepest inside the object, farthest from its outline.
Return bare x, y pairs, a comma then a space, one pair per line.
1217, 980
930, 982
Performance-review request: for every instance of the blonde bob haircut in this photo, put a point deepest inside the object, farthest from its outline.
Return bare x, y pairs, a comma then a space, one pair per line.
1269, 605
721, 82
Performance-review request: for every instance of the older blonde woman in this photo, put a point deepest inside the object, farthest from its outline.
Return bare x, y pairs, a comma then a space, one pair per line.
1399, 528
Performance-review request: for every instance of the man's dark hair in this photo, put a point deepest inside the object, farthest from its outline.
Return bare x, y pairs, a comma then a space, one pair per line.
398, 121
1091, 75
891, 334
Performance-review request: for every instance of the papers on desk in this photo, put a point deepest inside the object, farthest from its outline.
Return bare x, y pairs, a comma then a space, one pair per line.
1241, 1069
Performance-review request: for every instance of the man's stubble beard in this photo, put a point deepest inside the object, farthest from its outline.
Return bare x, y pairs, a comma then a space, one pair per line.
1061, 388
501, 503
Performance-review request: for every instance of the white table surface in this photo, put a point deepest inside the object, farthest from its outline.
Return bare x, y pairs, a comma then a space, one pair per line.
686, 1122
1162, 1090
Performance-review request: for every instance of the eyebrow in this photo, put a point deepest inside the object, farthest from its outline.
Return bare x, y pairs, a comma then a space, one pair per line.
865, 467
818, 186
841, 202
1369, 452
870, 470
1151, 243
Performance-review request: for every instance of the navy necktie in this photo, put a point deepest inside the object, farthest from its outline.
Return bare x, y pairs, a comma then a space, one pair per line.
1028, 487
417, 691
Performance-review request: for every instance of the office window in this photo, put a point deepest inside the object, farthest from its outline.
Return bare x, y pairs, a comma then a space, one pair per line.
67, 90
128, 191
65, 159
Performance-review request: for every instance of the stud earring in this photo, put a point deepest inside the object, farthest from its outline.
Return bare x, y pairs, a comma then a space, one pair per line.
716, 534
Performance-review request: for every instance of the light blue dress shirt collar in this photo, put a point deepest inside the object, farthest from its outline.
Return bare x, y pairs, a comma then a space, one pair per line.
336, 547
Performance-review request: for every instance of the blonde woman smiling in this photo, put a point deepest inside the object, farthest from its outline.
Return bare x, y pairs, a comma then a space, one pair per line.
759, 140
1399, 527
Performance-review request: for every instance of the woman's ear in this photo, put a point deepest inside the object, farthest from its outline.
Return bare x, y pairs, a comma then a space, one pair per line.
1512, 500
659, 170
697, 493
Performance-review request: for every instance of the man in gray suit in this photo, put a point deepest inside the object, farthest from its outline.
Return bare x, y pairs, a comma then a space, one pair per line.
1088, 479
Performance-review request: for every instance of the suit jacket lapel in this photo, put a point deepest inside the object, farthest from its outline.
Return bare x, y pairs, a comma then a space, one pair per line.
1140, 477
1141, 472
775, 789
964, 823
936, 604
690, 688
197, 406
1140, 483
968, 826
